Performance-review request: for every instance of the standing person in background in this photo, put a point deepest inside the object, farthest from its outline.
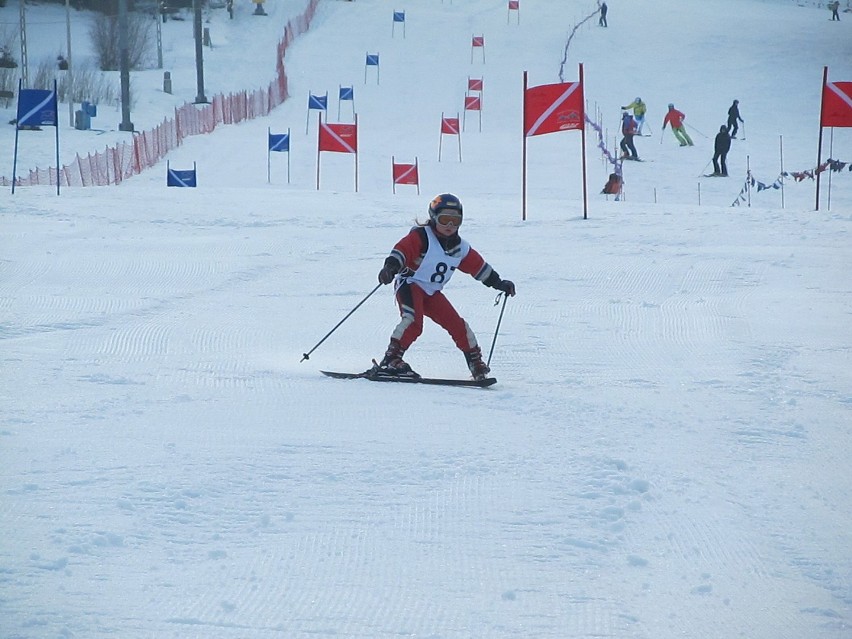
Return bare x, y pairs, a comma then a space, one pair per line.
733, 117
721, 146
834, 6
602, 21
639, 110
676, 118
628, 130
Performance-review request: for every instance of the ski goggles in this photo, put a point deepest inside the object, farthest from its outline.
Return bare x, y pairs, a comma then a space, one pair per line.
449, 219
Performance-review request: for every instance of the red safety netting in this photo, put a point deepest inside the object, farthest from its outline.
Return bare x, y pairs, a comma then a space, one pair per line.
127, 159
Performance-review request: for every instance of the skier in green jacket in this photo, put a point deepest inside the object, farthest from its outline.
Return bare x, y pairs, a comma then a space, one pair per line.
639, 109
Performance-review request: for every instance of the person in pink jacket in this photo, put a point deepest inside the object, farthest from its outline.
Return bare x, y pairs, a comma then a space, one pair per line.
676, 118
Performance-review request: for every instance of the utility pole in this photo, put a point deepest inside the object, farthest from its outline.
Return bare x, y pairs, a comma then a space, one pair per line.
70, 75
25, 76
124, 64
199, 53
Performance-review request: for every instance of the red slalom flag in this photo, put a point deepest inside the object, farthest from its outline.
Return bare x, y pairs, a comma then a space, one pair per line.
474, 84
837, 104
338, 138
472, 103
450, 126
553, 107
405, 174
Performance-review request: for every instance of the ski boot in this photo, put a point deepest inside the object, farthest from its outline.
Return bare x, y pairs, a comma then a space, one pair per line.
393, 364
478, 369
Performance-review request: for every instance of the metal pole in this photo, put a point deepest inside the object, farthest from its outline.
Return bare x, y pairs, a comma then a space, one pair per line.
497, 330
159, 37
25, 76
70, 76
199, 53
124, 67
336, 326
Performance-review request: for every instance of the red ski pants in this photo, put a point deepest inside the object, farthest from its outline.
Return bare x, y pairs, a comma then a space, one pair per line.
414, 303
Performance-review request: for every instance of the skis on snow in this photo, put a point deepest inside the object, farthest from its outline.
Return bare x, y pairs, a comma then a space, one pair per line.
377, 376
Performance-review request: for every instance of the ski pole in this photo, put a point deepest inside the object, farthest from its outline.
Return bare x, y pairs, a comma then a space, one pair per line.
357, 306
697, 131
705, 168
499, 320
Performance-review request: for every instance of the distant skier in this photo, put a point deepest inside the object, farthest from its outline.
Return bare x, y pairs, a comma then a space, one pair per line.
602, 21
721, 146
834, 6
676, 118
628, 130
639, 110
420, 264
733, 117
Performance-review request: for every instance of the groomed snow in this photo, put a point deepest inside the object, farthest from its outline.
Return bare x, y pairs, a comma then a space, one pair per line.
665, 455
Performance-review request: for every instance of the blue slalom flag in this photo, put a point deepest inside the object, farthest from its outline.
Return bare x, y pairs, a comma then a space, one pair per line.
37, 107
318, 102
279, 142
184, 178
347, 93
399, 16
372, 59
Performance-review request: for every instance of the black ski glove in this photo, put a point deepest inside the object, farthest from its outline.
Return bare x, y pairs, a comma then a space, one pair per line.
507, 286
389, 270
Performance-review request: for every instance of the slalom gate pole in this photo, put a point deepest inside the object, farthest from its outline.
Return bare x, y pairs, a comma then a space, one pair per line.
357, 306
499, 320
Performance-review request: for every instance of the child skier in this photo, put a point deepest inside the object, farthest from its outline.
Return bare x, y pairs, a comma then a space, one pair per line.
628, 130
420, 264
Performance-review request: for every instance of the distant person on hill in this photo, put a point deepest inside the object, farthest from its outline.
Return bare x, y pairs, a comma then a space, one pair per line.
604, 9
834, 6
676, 118
628, 130
639, 110
721, 146
733, 117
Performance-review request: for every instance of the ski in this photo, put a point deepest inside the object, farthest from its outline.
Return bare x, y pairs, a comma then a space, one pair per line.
378, 377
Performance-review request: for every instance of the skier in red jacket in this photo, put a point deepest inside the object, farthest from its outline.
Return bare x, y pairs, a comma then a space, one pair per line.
676, 118
420, 264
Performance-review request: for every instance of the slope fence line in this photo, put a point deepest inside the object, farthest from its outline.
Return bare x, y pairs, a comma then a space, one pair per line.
115, 164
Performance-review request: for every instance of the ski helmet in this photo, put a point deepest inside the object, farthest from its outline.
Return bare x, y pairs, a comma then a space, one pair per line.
671, 106
638, 100
446, 202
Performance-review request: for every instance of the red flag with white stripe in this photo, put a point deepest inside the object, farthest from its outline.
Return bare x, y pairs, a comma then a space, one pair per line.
338, 138
553, 107
837, 104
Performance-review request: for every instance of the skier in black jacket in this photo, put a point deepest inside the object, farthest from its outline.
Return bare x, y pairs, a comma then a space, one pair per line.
721, 146
733, 117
